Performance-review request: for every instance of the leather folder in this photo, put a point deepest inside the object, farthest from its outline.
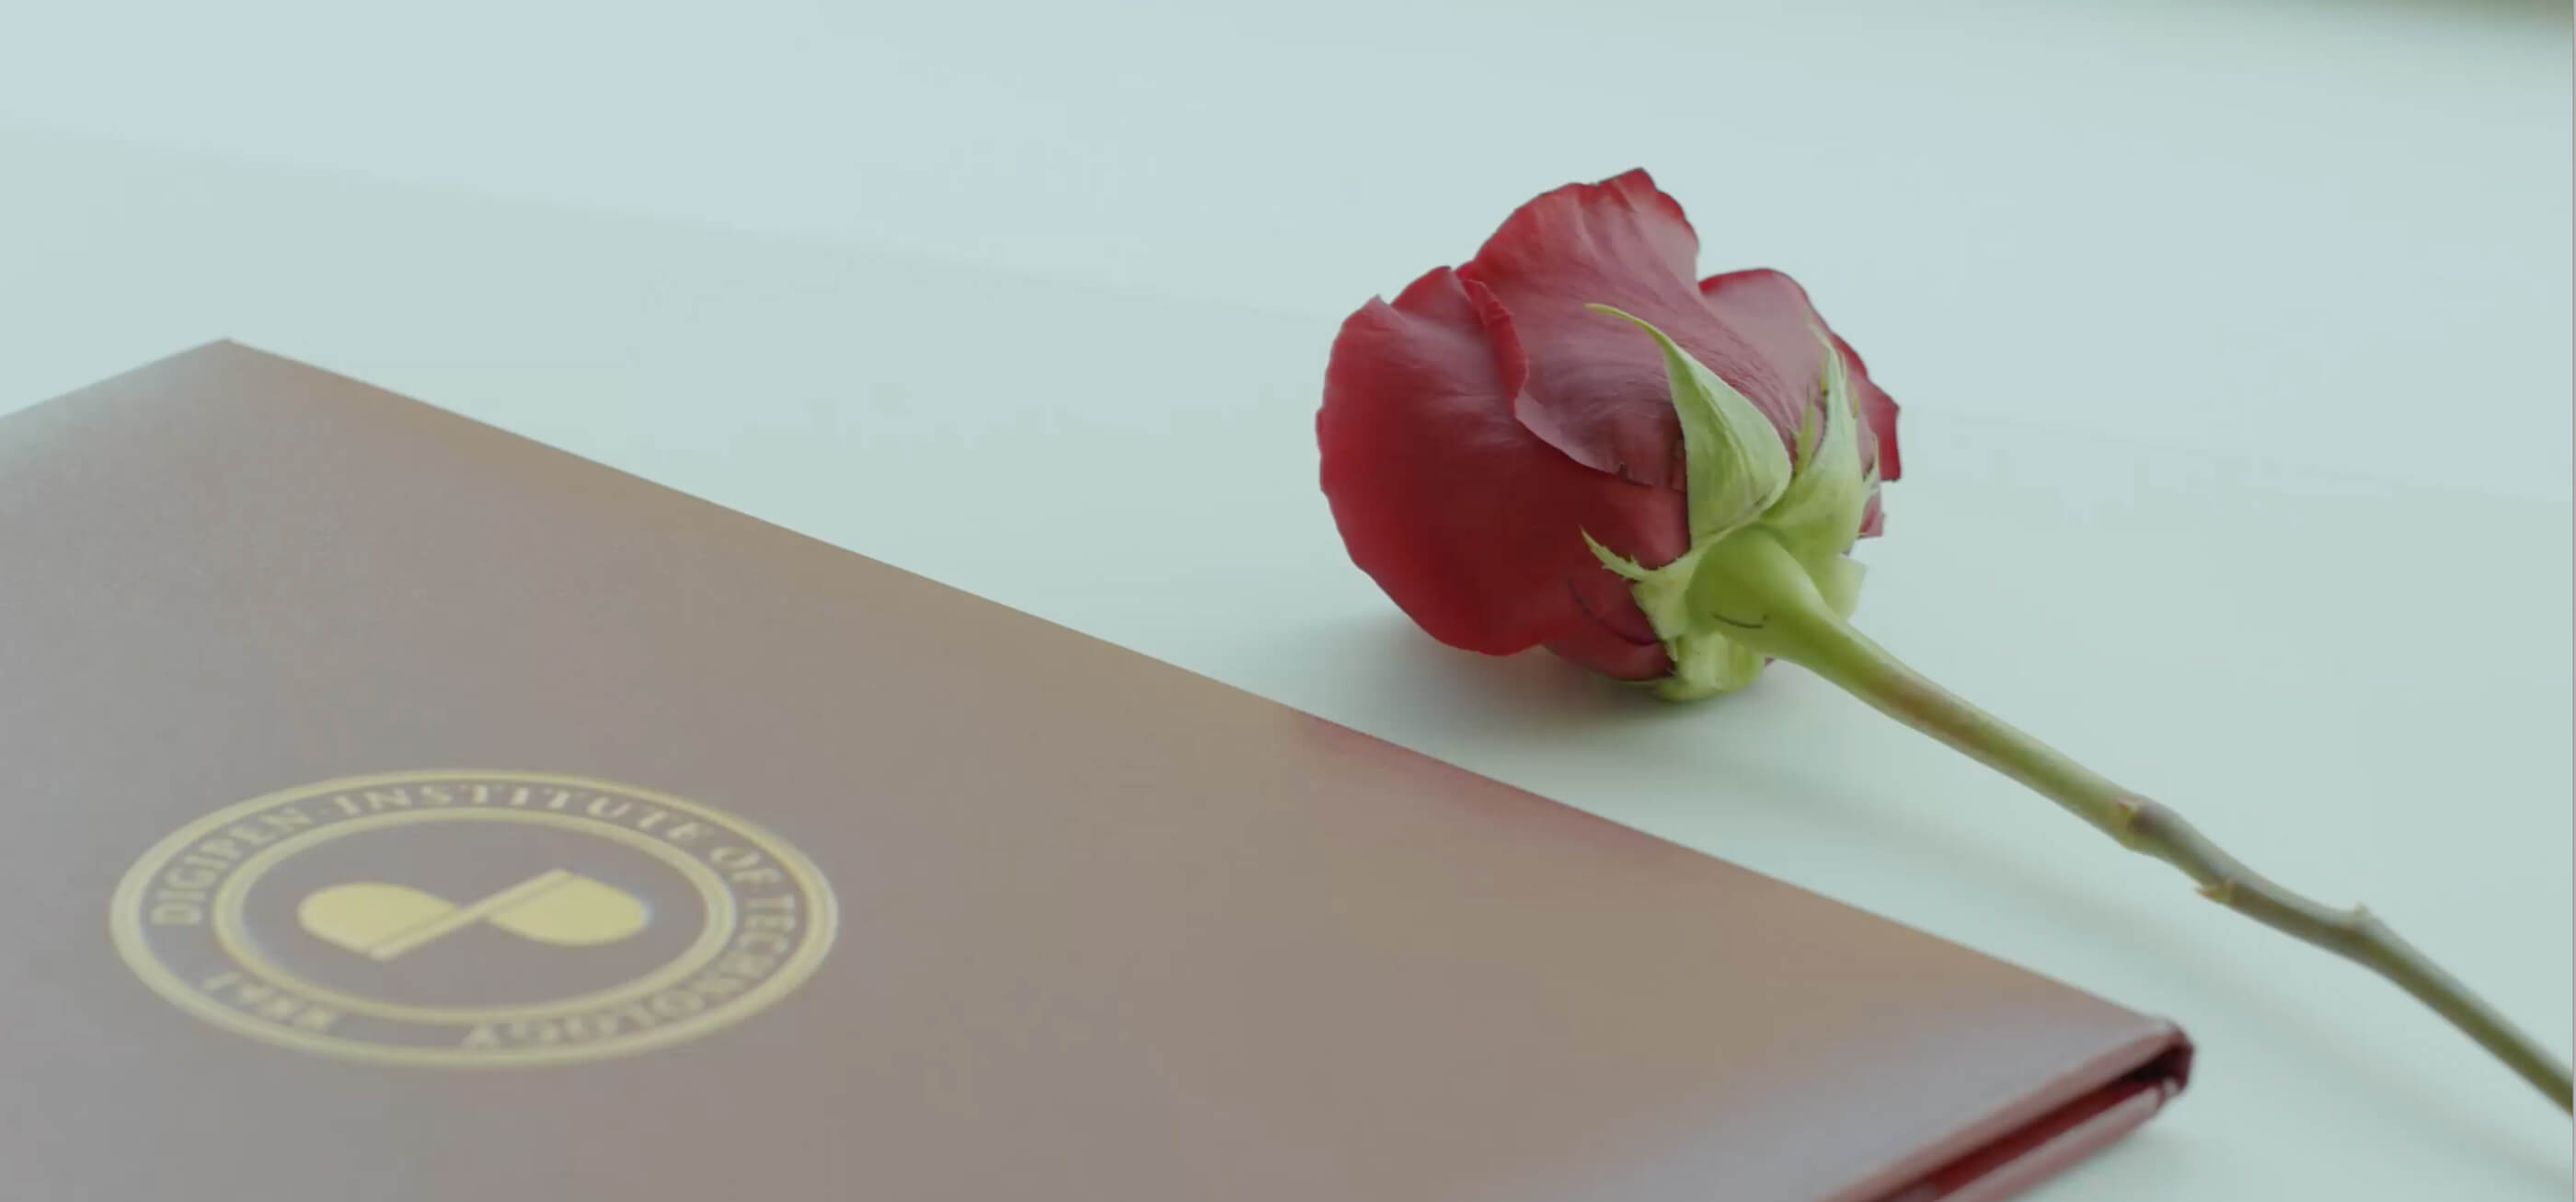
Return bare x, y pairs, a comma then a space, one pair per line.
399, 810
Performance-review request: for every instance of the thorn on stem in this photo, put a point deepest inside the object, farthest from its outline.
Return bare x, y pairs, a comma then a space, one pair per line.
2222, 892
2128, 814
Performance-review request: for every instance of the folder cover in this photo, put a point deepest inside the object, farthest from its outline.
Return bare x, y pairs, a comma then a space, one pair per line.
402, 811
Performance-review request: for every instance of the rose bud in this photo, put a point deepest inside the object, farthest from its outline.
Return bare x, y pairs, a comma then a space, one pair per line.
1568, 443
1507, 452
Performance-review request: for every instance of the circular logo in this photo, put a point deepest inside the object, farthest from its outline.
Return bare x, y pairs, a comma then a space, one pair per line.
472, 918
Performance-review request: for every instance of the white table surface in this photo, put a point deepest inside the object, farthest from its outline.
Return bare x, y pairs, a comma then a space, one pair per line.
2234, 343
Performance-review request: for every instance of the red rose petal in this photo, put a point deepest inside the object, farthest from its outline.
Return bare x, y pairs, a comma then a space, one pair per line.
1603, 651
1772, 313
1597, 389
1877, 413
1471, 523
1618, 641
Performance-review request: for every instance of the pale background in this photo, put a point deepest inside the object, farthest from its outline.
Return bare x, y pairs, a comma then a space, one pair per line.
2234, 340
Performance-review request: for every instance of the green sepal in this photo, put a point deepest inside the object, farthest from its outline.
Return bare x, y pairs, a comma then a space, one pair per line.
1619, 565
1705, 661
1709, 664
1735, 467
1662, 593
1818, 516
1754, 504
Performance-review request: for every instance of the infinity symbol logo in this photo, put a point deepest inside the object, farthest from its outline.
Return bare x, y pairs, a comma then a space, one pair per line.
382, 921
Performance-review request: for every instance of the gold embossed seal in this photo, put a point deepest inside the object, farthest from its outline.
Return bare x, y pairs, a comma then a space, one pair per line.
472, 919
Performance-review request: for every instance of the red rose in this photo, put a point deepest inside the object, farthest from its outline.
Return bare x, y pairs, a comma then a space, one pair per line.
1474, 431
1568, 443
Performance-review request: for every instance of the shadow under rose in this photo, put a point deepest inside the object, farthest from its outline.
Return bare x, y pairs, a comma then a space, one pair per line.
1402, 674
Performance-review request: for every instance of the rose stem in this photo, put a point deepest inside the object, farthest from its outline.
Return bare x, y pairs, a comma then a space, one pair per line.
1797, 626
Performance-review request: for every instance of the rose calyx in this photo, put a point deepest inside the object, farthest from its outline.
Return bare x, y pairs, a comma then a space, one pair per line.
1757, 511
